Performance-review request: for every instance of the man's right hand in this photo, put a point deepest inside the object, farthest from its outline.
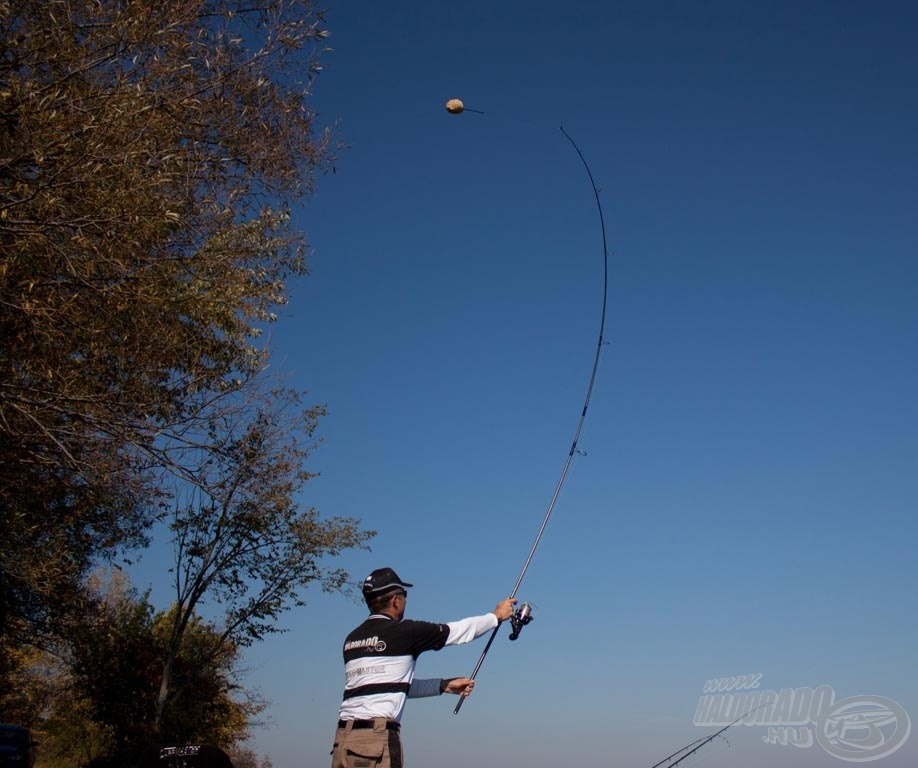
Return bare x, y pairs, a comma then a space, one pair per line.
504, 609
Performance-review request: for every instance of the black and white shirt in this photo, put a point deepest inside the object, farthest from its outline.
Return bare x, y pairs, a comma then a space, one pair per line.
380, 656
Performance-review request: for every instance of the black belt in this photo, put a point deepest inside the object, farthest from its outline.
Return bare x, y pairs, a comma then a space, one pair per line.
391, 725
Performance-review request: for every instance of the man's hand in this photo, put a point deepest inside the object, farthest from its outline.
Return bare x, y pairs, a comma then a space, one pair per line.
461, 686
504, 609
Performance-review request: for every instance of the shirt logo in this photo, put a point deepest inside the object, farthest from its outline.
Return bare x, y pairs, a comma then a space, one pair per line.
369, 643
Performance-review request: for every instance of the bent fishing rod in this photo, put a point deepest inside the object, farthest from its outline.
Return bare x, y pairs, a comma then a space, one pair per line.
523, 614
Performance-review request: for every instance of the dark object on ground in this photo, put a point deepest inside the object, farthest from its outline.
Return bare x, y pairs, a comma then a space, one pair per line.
187, 756
17, 747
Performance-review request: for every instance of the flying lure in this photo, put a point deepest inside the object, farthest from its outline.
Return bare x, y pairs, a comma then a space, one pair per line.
523, 614
456, 107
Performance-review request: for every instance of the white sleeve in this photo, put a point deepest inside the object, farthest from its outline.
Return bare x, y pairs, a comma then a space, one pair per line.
466, 630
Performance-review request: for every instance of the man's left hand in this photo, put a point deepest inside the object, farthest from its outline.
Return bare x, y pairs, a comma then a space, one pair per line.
461, 686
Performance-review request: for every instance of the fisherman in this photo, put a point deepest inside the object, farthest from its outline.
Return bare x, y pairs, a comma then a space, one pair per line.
379, 660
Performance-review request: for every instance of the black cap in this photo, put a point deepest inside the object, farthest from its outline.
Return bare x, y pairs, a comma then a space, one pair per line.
382, 580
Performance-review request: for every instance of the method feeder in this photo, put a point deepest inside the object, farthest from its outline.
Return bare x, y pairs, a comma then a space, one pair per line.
523, 614
456, 107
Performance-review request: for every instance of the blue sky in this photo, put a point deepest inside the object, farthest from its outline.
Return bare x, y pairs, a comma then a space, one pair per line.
747, 502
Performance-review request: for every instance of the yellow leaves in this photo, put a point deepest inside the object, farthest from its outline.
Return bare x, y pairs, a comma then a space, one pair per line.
138, 160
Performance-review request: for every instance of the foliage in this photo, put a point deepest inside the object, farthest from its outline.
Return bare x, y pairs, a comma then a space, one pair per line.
149, 150
94, 703
114, 661
41, 695
208, 704
29, 685
69, 737
243, 757
243, 542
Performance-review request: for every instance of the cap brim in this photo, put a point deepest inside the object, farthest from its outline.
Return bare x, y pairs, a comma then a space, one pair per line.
388, 588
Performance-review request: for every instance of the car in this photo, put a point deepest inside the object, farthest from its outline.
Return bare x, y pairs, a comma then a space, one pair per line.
17, 747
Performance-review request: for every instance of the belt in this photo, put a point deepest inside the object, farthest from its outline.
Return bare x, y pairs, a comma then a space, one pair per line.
391, 725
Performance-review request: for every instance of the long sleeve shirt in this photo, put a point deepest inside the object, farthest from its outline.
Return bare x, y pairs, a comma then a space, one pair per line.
380, 657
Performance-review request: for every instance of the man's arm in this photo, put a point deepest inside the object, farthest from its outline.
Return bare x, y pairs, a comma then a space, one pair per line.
466, 630
435, 686
430, 687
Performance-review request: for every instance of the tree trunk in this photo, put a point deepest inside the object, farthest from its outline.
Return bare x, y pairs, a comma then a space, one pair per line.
164, 689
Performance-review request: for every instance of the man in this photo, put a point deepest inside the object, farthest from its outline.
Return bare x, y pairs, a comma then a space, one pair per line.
379, 660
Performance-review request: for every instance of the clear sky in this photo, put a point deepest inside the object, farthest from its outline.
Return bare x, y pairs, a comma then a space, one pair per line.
747, 502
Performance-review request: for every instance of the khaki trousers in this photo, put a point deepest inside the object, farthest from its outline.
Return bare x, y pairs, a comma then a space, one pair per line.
376, 747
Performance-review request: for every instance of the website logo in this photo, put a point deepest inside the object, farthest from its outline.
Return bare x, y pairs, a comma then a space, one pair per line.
856, 729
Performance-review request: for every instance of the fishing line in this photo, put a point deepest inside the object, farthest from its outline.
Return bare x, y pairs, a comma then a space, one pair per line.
586, 404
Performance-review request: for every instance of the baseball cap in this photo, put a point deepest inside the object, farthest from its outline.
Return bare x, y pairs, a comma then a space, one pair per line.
382, 580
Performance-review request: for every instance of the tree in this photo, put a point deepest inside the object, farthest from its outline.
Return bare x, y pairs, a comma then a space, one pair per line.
93, 693
243, 757
244, 543
113, 660
208, 705
94, 702
31, 684
149, 152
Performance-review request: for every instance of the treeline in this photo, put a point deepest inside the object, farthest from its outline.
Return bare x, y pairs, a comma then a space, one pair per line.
150, 151
91, 698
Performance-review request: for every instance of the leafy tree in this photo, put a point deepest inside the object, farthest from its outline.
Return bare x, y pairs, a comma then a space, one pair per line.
208, 702
149, 152
243, 757
114, 662
68, 735
243, 543
41, 694
96, 690
94, 703
30, 684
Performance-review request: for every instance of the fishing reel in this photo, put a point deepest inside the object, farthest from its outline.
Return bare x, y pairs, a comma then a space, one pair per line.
520, 619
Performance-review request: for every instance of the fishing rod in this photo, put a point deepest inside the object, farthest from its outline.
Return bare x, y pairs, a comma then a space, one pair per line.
701, 742
523, 614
